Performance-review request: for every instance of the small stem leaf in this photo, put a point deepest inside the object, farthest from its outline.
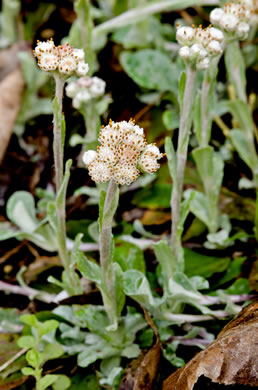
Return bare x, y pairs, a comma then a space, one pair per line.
166, 259
181, 90
61, 196
172, 159
89, 269
101, 208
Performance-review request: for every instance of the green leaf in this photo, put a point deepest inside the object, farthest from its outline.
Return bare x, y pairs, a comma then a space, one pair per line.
206, 266
240, 286
76, 247
89, 269
233, 270
199, 205
172, 159
101, 208
150, 197
8, 231
129, 256
26, 342
51, 213
181, 89
21, 211
140, 35
47, 327
95, 318
132, 351
166, 259
52, 351
241, 113
47, 381
29, 319
61, 196
235, 66
210, 167
239, 141
170, 119
28, 371
82, 382
150, 69
62, 382
119, 293
97, 349
107, 365
136, 285
10, 320
33, 358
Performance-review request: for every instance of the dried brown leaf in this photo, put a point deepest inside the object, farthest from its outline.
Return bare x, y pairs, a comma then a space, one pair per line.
231, 359
11, 88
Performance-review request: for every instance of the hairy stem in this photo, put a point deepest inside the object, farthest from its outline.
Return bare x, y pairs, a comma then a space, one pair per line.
182, 148
59, 174
207, 87
205, 111
196, 317
106, 260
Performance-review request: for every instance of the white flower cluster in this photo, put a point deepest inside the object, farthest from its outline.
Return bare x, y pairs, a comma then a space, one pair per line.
123, 154
62, 59
233, 19
198, 45
85, 89
252, 6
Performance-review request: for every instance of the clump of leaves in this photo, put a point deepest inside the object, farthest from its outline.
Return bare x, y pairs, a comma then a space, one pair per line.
38, 354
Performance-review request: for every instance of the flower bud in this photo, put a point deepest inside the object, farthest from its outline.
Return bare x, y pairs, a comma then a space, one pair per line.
203, 64
214, 47
184, 52
184, 35
89, 156
216, 15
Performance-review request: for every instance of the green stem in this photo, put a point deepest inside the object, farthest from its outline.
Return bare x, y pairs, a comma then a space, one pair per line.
59, 174
91, 120
183, 141
106, 258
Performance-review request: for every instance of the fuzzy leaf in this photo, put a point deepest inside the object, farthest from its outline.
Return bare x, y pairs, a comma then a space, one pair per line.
89, 269
21, 211
150, 69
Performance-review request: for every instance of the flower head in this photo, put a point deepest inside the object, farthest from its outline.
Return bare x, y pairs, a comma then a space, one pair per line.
62, 59
122, 155
199, 45
85, 89
235, 18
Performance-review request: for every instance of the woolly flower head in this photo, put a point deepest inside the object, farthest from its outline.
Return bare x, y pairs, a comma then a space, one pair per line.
199, 45
234, 19
85, 89
122, 155
63, 59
